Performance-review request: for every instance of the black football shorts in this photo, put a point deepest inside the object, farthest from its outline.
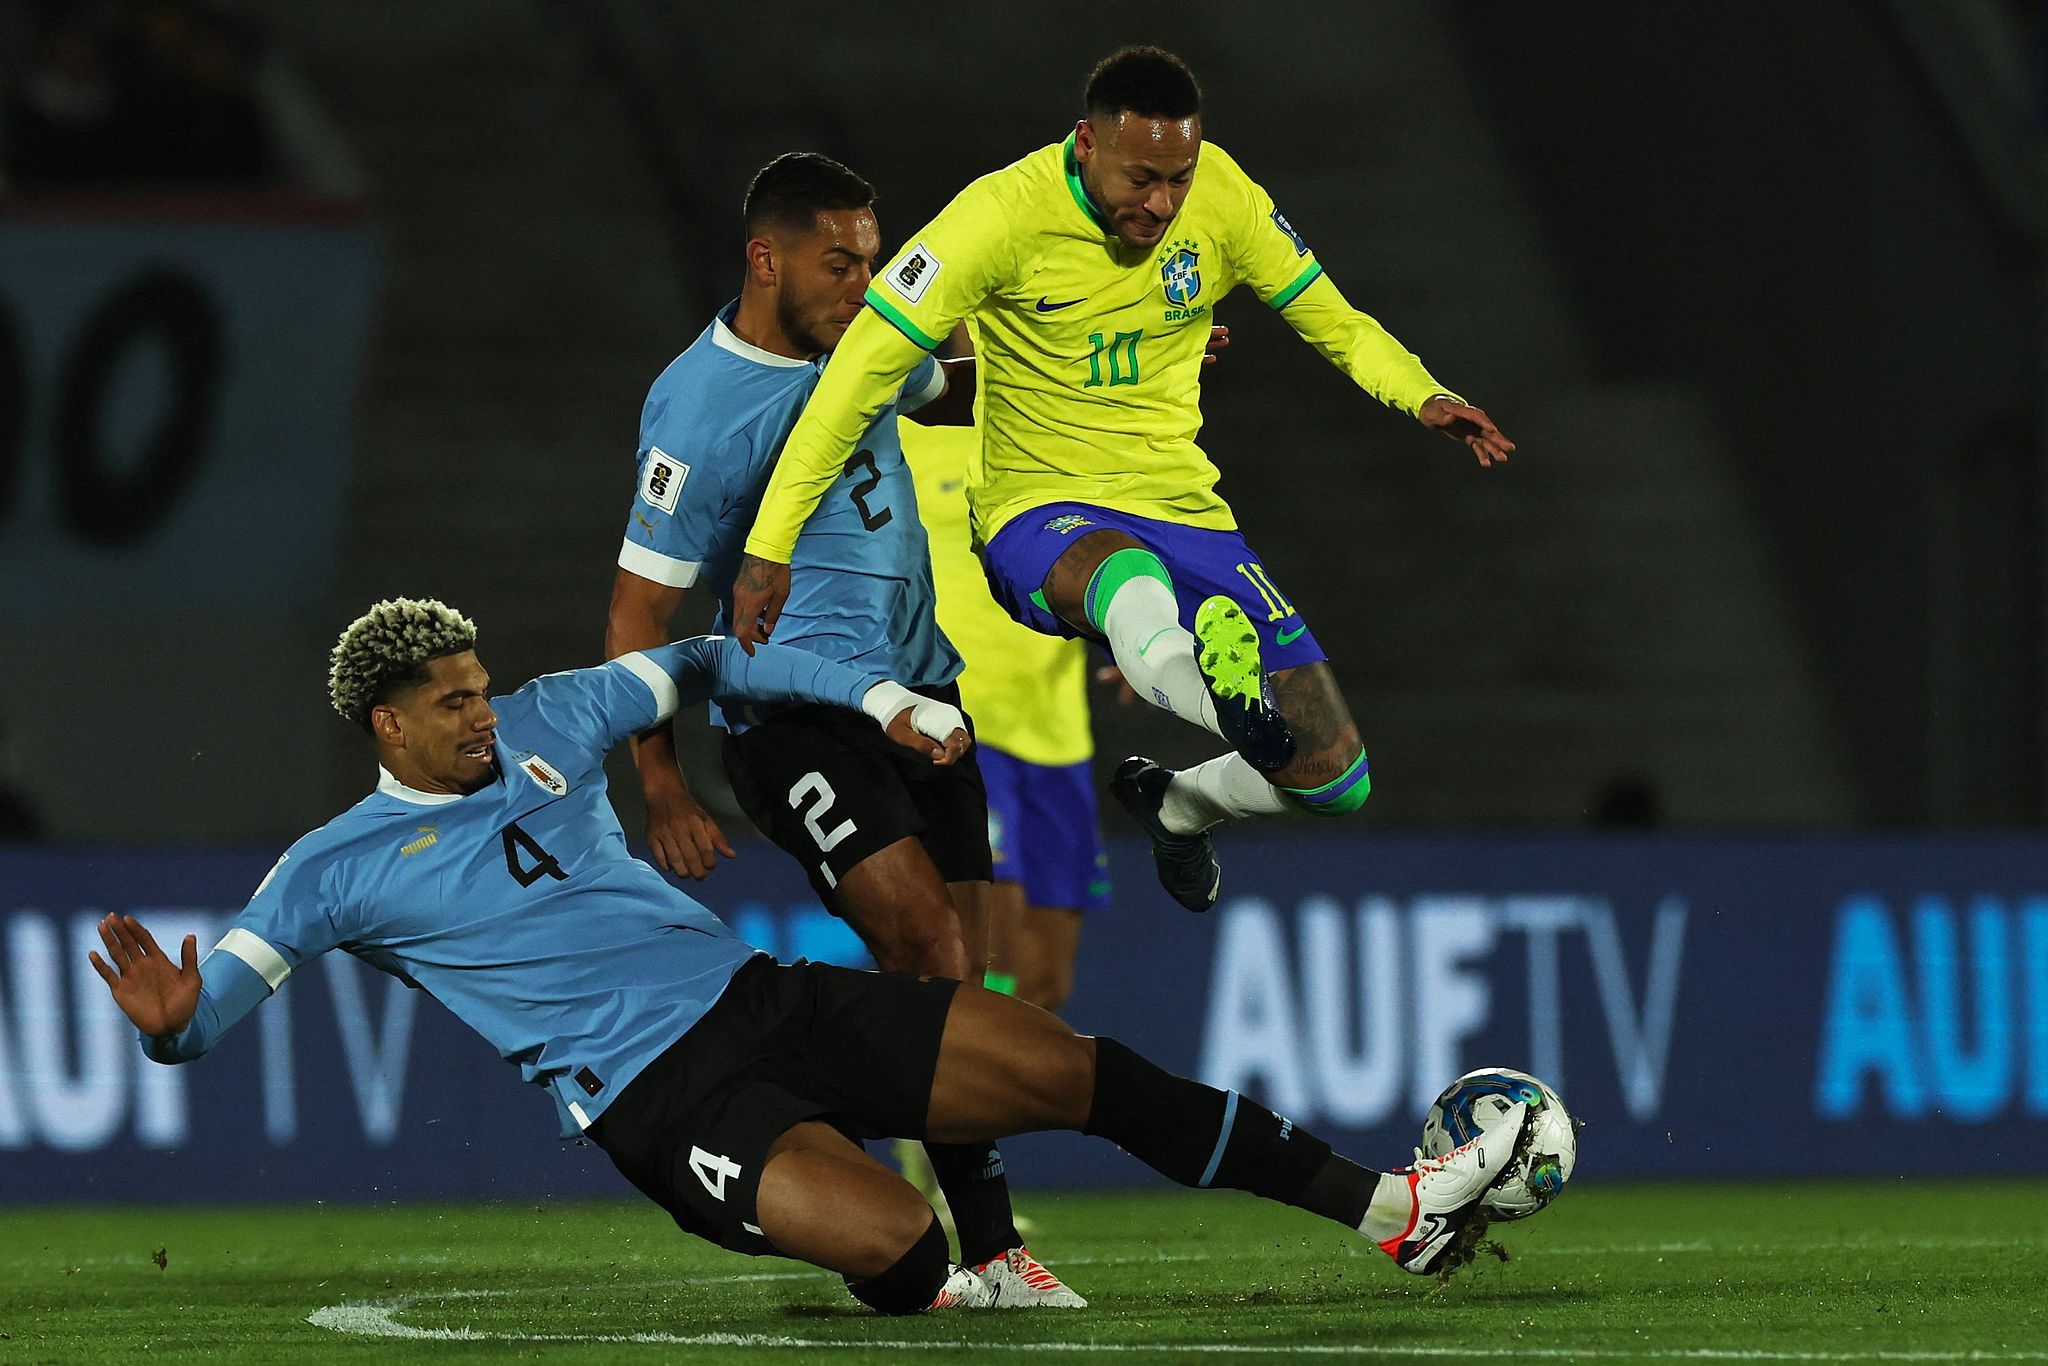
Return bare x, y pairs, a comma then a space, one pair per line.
831, 788
783, 1045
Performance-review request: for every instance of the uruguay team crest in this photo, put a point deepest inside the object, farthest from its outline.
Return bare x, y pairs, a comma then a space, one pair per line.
1182, 276
545, 775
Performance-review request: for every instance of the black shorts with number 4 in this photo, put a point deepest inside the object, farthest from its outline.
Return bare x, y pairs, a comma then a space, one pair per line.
831, 788
783, 1045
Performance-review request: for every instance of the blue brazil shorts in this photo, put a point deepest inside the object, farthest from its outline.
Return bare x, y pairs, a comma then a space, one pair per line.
1204, 562
1043, 832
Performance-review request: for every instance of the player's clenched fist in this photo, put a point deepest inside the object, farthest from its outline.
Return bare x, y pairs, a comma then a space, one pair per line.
758, 592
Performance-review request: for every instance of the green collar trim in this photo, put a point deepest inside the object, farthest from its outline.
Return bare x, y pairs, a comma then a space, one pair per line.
1080, 191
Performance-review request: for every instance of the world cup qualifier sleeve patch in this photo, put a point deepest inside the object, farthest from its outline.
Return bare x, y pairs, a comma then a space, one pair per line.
1280, 222
661, 479
912, 273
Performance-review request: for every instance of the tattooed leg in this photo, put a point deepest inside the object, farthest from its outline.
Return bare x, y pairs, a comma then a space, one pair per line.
1328, 776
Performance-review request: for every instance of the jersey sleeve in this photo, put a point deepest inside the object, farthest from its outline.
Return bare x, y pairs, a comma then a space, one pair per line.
288, 920
956, 261
1355, 343
592, 709
686, 672
1265, 250
598, 707
950, 267
1271, 257
682, 496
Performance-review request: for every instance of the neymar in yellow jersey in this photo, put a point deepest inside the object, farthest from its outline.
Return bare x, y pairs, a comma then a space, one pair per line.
1091, 269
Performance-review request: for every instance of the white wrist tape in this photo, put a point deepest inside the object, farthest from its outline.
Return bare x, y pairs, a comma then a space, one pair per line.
885, 700
936, 719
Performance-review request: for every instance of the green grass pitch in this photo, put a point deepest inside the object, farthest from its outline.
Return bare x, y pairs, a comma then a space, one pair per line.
1879, 1271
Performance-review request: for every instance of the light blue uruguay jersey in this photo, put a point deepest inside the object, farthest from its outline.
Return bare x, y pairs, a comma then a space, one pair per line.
517, 905
860, 577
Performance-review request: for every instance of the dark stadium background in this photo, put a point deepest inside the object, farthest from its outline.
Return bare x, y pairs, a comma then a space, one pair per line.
1758, 290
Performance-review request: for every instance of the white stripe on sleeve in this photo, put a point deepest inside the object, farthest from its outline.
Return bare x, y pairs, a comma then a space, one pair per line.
582, 1120
656, 567
910, 403
666, 698
268, 963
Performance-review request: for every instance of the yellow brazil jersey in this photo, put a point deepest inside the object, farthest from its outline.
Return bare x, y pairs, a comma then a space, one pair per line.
1027, 693
1090, 352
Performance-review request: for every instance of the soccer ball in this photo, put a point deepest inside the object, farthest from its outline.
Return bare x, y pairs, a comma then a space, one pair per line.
1476, 1102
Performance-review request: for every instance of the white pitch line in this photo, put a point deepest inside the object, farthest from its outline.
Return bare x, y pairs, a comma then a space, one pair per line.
378, 1318
374, 1320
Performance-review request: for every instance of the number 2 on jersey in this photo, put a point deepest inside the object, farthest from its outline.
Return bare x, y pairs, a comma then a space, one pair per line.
872, 520
813, 788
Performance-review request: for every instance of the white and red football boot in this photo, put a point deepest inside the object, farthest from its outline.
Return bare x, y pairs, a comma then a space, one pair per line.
964, 1290
1448, 1220
1021, 1281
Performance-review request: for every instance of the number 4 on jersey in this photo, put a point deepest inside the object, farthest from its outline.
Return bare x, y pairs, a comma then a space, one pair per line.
713, 1170
544, 863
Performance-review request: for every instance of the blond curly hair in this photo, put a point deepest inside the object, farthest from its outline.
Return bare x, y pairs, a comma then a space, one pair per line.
388, 648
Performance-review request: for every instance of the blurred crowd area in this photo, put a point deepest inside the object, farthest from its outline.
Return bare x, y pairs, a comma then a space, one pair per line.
131, 93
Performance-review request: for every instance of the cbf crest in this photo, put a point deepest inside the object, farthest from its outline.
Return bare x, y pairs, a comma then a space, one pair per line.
1181, 274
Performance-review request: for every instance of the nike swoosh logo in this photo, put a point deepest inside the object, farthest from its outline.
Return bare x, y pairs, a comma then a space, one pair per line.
1045, 307
1289, 637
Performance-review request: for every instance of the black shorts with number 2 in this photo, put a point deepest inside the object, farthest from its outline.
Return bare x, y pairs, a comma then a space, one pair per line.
831, 788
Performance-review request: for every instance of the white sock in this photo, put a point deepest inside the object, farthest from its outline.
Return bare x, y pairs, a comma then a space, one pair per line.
1156, 654
1392, 1207
1224, 789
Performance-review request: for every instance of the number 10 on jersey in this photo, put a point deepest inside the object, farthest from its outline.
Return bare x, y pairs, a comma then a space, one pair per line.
1122, 350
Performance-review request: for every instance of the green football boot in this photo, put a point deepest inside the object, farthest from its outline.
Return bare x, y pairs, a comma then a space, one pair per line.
1227, 652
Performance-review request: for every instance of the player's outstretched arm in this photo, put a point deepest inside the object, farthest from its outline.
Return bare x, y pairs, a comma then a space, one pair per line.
716, 666
685, 838
1356, 344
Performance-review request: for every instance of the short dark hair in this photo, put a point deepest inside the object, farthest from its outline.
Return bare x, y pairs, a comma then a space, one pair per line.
1147, 81
792, 190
